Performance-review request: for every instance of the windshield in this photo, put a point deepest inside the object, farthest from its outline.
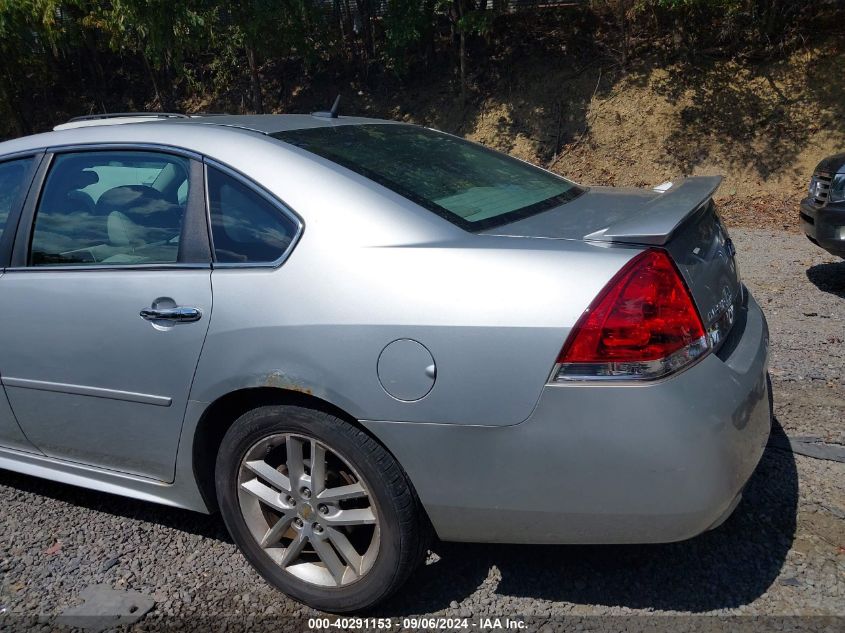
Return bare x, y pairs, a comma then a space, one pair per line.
465, 183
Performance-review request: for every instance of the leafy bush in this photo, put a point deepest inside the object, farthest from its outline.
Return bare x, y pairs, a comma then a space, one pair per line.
74, 55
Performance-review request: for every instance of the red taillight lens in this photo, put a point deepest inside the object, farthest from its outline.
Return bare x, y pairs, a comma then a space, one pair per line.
645, 313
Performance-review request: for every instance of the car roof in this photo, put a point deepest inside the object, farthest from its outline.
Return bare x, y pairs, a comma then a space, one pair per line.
127, 129
300, 179
273, 123
263, 123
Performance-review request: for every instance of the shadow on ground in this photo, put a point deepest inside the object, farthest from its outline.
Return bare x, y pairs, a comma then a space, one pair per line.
728, 567
828, 277
174, 518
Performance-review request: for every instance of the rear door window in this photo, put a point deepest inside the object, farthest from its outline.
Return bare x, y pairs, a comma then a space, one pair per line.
111, 208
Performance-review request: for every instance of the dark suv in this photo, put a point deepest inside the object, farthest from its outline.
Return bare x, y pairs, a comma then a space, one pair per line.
823, 210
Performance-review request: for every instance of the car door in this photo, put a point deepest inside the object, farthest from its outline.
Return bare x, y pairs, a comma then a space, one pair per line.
105, 307
15, 176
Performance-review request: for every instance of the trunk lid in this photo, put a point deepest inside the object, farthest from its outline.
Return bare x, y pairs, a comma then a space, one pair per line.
681, 219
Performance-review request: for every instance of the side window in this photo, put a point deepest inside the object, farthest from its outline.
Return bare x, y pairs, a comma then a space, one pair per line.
114, 207
13, 177
245, 226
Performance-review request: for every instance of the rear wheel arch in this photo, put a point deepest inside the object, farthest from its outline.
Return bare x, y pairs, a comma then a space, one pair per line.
219, 416
369, 531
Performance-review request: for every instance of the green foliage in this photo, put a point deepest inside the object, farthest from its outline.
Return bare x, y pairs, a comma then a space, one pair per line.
476, 22
78, 55
406, 23
163, 31
28, 32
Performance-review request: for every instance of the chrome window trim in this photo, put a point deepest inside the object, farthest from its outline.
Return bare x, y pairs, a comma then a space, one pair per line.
286, 210
118, 146
27, 153
107, 267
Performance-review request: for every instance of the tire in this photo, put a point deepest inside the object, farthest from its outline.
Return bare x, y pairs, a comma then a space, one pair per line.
275, 436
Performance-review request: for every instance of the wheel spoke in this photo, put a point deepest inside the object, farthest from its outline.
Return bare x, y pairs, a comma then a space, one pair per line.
318, 467
330, 558
264, 493
296, 467
269, 474
345, 549
308, 509
273, 535
362, 516
352, 491
293, 550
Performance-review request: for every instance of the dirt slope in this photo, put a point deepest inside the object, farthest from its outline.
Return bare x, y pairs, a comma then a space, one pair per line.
763, 125
556, 98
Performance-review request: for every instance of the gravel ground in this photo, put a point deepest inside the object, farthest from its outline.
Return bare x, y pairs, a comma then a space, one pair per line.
782, 552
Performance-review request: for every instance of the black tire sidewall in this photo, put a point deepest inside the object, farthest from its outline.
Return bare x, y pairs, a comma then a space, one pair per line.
252, 427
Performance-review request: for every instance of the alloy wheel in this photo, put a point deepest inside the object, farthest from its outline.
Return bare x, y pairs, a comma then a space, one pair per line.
309, 510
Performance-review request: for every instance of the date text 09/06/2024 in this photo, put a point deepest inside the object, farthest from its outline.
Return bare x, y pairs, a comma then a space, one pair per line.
412, 623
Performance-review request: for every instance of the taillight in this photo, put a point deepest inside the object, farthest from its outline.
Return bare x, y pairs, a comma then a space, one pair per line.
643, 325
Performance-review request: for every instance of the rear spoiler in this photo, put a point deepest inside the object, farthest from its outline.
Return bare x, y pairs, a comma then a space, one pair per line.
657, 221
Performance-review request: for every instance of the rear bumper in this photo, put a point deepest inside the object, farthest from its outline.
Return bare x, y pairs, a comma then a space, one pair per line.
824, 226
644, 463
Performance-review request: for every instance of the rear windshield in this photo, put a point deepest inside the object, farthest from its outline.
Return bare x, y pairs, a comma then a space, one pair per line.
467, 184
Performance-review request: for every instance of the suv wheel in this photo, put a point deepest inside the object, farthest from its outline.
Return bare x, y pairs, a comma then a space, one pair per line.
320, 509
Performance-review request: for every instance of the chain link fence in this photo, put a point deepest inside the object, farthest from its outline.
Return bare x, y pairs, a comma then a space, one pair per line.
377, 8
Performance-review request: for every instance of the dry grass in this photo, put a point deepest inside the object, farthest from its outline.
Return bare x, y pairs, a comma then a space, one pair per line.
763, 125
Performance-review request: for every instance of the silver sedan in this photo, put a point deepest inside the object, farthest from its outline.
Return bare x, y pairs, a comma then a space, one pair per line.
351, 335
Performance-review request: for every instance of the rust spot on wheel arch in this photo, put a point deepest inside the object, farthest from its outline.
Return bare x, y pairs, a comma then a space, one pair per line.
280, 380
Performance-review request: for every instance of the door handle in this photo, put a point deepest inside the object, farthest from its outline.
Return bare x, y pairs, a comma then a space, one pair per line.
178, 314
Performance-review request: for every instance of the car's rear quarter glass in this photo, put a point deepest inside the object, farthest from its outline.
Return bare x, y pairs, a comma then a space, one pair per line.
467, 184
246, 228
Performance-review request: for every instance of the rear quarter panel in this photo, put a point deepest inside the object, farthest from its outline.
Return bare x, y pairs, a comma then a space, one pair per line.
371, 268
493, 312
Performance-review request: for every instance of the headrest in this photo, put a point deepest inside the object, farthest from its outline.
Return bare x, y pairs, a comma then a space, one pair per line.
123, 231
81, 179
138, 202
